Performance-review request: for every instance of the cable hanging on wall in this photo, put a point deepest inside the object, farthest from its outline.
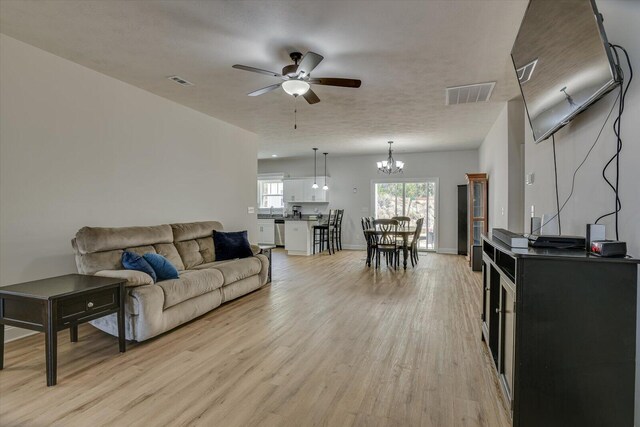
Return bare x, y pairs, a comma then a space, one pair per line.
618, 132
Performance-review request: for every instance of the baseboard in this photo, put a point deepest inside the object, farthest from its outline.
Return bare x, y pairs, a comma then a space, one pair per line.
448, 251
12, 333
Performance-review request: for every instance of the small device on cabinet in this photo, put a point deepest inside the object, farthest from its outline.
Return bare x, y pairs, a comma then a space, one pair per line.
608, 248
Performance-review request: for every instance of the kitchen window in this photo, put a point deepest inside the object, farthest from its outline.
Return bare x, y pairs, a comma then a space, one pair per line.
270, 193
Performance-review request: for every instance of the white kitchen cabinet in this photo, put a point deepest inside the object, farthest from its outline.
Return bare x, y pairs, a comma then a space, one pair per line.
266, 231
299, 190
293, 190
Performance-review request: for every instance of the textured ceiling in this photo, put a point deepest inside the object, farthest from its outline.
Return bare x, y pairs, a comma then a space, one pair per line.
405, 53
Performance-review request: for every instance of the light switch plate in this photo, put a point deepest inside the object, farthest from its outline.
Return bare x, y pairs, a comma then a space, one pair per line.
251, 210
530, 178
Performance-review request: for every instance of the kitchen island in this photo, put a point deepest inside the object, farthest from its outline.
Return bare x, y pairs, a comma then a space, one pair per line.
298, 233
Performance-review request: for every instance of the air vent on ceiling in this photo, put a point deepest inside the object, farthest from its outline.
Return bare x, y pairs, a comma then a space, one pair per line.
180, 81
524, 73
480, 92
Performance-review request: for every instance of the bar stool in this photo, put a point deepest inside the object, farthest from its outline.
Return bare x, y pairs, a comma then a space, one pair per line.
338, 229
325, 233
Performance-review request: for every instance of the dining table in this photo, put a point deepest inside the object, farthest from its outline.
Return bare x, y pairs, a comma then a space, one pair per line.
402, 232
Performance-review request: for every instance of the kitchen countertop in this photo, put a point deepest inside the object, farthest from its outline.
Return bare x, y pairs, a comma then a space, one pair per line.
290, 218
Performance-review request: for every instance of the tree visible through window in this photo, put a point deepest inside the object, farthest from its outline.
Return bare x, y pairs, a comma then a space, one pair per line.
270, 193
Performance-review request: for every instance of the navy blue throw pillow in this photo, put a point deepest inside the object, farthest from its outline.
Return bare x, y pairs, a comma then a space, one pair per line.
162, 266
133, 261
231, 245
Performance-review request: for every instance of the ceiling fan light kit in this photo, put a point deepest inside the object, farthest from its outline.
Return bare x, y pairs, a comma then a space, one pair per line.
296, 87
390, 166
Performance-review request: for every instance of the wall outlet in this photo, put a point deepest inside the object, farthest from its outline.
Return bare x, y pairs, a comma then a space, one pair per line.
251, 210
502, 211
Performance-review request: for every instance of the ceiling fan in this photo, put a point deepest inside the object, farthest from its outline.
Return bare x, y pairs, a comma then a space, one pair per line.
297, 78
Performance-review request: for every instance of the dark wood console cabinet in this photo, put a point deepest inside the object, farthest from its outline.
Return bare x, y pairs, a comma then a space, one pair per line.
560, 326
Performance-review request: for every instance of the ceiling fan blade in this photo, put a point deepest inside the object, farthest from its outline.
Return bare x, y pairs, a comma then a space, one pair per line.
329, 81
309, 61
264, 90
311, 97
257, 70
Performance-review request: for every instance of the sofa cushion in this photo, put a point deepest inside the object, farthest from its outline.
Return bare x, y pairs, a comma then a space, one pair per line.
231, 245
141, 250
213, 264
97, 239
191, 283
162, 266
133, 261
169, 251
107, 260
189, 251
133, 277
238, 269
205, 245
194, 230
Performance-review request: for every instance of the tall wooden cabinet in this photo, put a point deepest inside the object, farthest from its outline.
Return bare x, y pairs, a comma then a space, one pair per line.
560, 326
478, 210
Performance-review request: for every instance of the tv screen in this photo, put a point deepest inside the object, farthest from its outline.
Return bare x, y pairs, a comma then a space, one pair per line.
563, 62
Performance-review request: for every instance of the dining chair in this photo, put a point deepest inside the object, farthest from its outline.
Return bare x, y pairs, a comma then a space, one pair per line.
369, 239
404, 221
387, 241
413, 245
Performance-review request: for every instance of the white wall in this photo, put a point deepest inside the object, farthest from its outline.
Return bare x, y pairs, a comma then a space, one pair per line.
500, 156
592, 197
79, 148
494, 161
349, 172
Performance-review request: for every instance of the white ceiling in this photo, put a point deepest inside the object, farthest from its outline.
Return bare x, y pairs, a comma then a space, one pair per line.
405, 52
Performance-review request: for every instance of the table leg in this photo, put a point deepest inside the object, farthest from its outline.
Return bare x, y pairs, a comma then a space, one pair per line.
1, 343
405, 240
73, 333
51, 341
121, 334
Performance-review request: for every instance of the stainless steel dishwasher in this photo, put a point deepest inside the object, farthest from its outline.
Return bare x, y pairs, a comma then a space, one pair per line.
279, 237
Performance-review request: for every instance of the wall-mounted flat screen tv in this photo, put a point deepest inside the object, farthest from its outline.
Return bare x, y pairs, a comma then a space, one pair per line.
563, 62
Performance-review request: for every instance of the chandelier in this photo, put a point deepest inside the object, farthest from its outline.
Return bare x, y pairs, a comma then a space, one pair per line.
390, 166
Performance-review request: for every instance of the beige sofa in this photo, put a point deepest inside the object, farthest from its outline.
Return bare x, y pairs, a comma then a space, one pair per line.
203, 285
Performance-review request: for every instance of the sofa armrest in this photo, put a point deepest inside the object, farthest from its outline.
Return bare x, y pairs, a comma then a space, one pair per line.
255, 249
134, 278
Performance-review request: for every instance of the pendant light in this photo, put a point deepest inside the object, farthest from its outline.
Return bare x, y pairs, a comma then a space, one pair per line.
325, 186
315, 169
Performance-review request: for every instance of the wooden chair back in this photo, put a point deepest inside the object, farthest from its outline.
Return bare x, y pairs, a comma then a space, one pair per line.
404, 221
388, 231
416, 235
339, 216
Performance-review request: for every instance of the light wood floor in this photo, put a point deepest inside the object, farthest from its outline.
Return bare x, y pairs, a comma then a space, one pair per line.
330, 342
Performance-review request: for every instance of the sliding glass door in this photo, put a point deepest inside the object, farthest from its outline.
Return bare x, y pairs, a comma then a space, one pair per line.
415, 199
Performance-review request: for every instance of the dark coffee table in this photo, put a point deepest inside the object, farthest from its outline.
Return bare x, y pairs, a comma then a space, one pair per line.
58, 303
